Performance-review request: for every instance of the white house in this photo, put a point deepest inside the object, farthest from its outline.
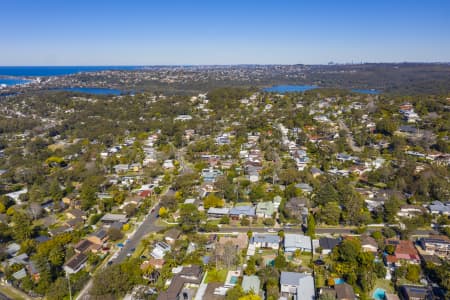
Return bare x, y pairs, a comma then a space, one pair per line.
266, 241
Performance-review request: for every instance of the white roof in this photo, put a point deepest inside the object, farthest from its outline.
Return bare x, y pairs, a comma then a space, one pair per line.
297, 241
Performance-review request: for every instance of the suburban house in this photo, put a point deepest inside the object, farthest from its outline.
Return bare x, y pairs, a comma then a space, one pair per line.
409, 211
404, 252
436, 245
369, 244
439, 208
75, 264
344, 291
109, 218
76, 214
265, 241
293, 242
99, 237
264, 209
183, 284
299, 285
297, 208
160, 250
327, 244
85, 246
239, 212
214, 212
409, 292
172, 235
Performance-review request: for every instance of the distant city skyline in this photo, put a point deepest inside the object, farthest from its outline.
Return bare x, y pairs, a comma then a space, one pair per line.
97, 32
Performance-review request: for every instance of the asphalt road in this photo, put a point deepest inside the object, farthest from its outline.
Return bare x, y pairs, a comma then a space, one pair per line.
147, 226
319, 231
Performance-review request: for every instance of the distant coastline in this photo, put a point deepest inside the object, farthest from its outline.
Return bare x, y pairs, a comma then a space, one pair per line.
45, 71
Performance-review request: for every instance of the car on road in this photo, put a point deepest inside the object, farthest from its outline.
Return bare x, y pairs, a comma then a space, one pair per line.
271, 230
153, 210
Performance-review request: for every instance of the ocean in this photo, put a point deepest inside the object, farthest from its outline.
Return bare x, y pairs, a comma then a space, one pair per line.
57, 71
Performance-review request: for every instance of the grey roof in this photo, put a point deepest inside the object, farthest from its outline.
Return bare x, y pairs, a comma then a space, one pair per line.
305, 289
344, 291
12, 248
328, 243
291, 278
250, 283
114, 218
265, 238
304, 186
296, 241
243, 210
20, 274
218, 211
439, 207
101, 234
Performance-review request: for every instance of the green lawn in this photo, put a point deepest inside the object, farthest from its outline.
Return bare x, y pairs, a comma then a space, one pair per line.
384, 284
216, 276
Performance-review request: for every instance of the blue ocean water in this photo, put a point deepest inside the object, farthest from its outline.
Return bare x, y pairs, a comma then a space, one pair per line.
369, 92
290, 88
57, 71
94, 91
9, 81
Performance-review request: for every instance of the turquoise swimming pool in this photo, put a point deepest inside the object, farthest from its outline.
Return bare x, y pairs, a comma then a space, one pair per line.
379, 294
234, 279
339, 281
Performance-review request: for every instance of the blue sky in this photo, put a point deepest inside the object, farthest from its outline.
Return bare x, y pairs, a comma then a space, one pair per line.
133, 32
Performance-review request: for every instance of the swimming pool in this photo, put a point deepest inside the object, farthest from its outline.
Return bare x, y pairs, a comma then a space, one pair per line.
339, 281
379, 294
234, 279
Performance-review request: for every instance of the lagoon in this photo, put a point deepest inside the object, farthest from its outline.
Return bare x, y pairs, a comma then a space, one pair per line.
94, 91
58, 71
290, 88
368, 92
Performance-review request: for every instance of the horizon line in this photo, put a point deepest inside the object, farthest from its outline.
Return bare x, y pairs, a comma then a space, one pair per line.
232, 64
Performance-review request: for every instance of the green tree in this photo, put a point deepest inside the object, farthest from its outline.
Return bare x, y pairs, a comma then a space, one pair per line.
235, 293
330, 213
311, 226
189, 217
413, 273
212, 201
326, 194
22, 228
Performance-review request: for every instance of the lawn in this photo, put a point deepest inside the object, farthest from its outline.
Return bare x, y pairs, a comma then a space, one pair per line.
216, 276
384, 284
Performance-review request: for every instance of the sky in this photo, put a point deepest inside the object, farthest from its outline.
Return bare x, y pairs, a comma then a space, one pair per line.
138, 32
